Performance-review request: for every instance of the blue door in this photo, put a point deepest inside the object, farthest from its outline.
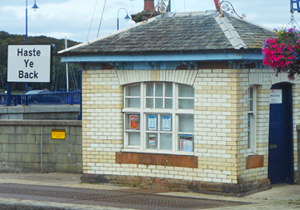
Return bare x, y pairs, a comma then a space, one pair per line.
281, 134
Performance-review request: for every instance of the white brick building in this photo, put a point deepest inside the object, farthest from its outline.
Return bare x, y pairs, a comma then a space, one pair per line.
182, 101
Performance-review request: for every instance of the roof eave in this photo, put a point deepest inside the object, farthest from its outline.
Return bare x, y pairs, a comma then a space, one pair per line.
208, 55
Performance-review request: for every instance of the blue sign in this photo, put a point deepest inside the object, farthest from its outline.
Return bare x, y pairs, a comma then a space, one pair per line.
295, 6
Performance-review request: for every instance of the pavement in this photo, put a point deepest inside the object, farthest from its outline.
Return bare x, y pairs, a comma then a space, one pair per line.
57, 191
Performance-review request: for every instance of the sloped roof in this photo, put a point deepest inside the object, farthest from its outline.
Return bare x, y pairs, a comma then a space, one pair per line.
179, 32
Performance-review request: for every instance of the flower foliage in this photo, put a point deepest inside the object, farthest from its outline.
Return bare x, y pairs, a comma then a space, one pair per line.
282, 53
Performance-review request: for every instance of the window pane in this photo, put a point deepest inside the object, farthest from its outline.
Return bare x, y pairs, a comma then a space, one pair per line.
250, 93
186, 104
132, 122
250, 98
168, 103
186, 123
166, 123
149, 89
159, 103
169, 90
134, 139
159, 89
152, 122
186, 91
133, 90
250, 120
250, 105
186, 142
149, 103
151, 141
166, 141
249, 139
132, 103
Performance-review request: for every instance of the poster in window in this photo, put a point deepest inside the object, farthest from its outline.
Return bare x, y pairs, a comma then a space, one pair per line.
152, 140
134, 122
166, 123
152, 122
186, 143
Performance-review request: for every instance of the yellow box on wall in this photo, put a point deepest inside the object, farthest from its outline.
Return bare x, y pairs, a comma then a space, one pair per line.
58, 134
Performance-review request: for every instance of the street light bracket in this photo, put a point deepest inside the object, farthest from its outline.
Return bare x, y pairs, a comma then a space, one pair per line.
127, 18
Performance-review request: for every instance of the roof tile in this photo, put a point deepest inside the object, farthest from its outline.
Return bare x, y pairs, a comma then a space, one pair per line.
171, 33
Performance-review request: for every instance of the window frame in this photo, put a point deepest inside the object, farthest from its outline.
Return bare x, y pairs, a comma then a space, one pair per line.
174, 112
252, 119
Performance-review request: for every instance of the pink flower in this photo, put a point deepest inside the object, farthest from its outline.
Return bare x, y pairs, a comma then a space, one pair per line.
287, 62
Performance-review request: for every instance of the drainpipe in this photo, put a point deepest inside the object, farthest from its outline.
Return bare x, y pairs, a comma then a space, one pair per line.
80, 113
41, 165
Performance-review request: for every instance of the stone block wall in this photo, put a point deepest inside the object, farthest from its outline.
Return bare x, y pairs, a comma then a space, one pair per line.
27, 146
40, 112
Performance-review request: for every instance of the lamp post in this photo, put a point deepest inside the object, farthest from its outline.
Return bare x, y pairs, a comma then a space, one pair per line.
34, 7
126, 18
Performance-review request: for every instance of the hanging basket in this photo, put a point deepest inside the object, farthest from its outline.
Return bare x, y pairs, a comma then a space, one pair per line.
282, 53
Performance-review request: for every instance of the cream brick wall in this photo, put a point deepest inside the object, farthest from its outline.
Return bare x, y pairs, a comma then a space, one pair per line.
220, 125
296, 120
216, 121
102, 120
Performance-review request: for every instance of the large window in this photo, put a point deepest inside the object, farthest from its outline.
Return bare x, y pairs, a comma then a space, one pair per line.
252, 118
159, 117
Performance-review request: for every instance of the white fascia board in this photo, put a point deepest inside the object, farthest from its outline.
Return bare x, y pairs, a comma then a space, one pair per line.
163, 58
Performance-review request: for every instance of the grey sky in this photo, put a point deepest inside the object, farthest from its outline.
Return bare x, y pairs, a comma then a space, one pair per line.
72, 18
